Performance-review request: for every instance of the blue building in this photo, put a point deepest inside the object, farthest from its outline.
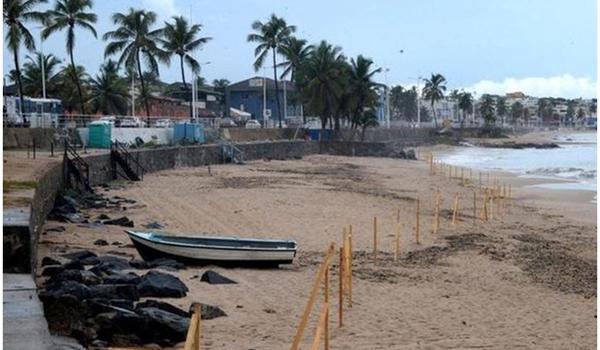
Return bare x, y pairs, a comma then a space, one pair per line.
248, 96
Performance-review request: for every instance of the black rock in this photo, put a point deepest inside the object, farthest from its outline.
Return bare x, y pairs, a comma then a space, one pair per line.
154, 225
118, 277
410, 154
115, 291
103, 217
109, 263
52, 270
78, 255
120, 321
99, 305
163, 306
77, 290
138, 264
166, 262
91, 260
165, 328
122, 221
73, 265
65, 314
85, 277
56, 229
209, 312
49, 261
100, 242
212, 277
158, 284
117, 243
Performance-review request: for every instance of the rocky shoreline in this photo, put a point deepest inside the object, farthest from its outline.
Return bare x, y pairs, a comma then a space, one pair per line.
519, 145
107, 300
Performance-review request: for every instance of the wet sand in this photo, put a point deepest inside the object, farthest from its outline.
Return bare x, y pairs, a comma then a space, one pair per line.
524, 280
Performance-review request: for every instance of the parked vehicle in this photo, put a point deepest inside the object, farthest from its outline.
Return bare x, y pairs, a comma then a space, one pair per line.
112, 120
163, 123
37, 112
253, 124
202, 250
132, 122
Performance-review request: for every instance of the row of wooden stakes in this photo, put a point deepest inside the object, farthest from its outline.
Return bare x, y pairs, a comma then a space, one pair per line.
322, 284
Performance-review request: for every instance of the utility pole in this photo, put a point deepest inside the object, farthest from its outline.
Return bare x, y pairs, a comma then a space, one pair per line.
264, 99
132, 92
43, 69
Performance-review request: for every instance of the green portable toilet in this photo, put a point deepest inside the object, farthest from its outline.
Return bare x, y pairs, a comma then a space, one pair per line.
99, 134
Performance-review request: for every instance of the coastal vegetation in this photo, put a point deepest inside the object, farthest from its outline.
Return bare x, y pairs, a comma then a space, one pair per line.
341, 90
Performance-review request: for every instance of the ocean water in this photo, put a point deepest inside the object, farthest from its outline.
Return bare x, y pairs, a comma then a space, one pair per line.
574, 161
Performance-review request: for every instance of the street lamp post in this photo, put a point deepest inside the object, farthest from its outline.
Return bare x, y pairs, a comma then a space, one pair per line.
387, 99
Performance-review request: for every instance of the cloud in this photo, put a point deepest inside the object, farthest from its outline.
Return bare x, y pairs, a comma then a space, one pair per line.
564, 85
163, 8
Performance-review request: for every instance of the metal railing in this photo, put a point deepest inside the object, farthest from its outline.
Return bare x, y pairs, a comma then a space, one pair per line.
128, 158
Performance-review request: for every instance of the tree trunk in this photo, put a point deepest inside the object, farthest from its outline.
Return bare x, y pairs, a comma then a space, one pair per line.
143, 90
185, 86
19, 84
77, 82
276, 86
434, 116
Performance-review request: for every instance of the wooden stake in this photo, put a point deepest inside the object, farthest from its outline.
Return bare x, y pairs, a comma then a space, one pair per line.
326, 302
193, 339
398, 215
322, 274
436, 217
375, 239
474, 207
350, 267
455, 211
341, 289
418, 221
397, 250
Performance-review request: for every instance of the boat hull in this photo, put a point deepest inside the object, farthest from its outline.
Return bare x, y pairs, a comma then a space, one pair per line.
190, 255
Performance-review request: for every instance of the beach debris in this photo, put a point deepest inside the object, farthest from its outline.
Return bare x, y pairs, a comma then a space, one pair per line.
75, 289
156, 225
46, 261
158, 284
101, 242
105, 267
212, 277
122, 221
117, 243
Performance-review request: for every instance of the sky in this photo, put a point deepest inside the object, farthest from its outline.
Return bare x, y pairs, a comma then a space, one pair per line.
539, 47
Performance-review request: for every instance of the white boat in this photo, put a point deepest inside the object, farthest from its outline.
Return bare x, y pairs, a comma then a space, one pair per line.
204, 250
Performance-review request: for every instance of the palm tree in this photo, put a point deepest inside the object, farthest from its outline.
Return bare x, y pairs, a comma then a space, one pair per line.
220, 84
32, 74
487, 110
67, 14
67, 90
270, 36
465, 104
136, 42
501, 108
15, 13
319, 81
181, 39
434, 91
296, 53
362, 86
108, 90
516, 112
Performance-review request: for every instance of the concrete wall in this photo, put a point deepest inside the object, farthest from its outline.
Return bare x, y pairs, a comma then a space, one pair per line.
245, 135
21, 138
162, 136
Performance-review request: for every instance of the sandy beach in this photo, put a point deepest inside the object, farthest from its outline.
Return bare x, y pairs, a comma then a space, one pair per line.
526, 279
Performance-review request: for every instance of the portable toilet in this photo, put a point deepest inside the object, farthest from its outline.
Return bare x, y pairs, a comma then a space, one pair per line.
188, 133
99, 134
